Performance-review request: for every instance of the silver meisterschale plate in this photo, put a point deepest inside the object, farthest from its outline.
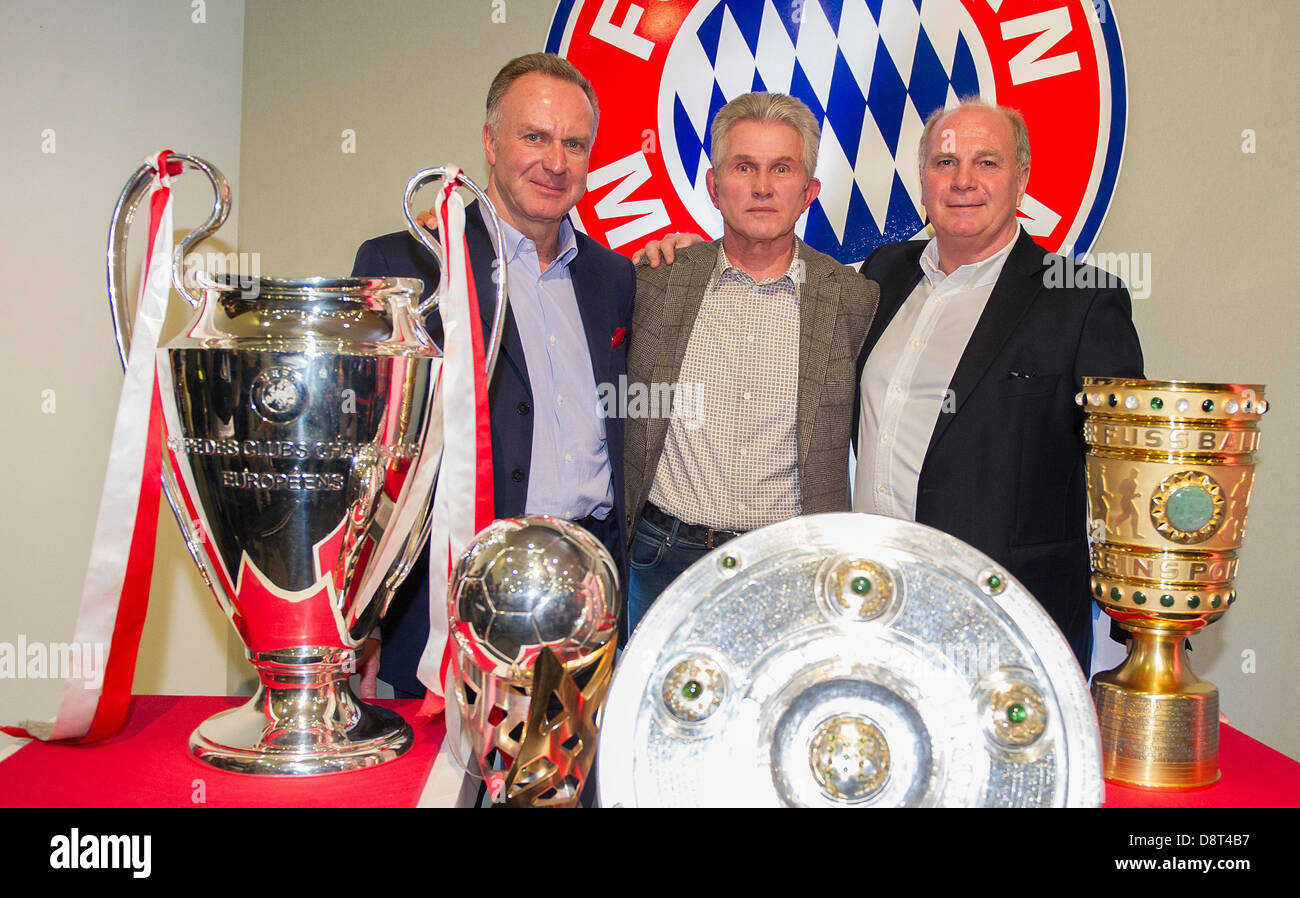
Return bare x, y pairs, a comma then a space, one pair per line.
848, 660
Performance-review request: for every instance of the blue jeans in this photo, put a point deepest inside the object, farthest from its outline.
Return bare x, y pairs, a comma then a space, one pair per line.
657, 558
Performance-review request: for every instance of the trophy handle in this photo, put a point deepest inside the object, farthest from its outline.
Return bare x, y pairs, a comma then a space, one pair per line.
123, 314
120, 226
498, 240
401, 566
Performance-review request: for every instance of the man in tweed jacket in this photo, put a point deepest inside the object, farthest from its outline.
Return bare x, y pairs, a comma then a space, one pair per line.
757, 337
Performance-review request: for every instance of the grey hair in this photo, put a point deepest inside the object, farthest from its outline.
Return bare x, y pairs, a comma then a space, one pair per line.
543, 63
762, 106
1017, 121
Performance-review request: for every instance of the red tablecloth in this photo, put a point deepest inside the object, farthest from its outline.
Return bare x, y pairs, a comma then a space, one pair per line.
148, 765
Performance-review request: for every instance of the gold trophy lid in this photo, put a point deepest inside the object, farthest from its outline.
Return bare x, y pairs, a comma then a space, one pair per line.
1172, 399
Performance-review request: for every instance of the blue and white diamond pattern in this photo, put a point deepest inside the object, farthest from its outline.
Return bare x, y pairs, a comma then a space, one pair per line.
870, 70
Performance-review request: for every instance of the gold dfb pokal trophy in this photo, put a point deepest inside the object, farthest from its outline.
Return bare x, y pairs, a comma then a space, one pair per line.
1170, 467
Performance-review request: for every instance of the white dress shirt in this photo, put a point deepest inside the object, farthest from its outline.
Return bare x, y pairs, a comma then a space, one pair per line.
905, 381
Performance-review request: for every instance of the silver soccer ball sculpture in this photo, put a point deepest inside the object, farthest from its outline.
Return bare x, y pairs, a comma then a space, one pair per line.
530, 583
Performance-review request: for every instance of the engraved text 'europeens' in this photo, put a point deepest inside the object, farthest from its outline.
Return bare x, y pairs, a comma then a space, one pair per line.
294, 480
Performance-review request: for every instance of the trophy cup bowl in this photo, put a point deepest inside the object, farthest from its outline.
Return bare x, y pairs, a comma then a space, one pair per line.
296, 422
300, 455
1170, 468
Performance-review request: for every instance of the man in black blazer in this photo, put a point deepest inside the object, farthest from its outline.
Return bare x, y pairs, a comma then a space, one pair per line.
997, 458
541, 120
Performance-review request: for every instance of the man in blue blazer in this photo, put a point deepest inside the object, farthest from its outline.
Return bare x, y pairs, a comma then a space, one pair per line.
564, 337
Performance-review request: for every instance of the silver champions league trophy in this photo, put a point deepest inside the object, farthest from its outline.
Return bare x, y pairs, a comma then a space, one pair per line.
301, 447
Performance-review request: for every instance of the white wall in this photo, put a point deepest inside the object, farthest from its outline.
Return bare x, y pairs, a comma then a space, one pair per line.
114, 83
1220, 226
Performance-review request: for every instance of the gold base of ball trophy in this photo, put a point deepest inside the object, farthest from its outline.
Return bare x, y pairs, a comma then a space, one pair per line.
1170, 467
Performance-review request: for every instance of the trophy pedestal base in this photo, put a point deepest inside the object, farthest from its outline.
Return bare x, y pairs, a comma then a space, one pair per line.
302, 721
1158, 741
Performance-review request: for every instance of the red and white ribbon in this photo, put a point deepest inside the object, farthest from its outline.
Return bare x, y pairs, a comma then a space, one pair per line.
116, 590
462, 503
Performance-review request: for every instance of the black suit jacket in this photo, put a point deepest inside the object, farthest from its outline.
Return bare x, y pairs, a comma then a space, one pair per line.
604, 284
1005, 470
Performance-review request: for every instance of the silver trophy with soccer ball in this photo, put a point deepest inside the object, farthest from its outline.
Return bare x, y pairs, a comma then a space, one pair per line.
534, 619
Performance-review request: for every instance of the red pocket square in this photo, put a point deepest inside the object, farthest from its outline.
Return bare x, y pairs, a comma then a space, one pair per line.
617, 340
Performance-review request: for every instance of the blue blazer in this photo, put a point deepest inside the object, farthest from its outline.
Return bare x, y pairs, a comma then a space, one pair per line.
604, 283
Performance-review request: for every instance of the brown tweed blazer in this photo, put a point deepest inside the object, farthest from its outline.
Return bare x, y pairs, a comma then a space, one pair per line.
836, 305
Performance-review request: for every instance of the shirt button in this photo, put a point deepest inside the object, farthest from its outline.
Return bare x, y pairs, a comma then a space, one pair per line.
747, 395
552, 339
884, 438
742, 453
568, 457
916, 342
523, 408
749, 339
559, 399
517, 475
881, 490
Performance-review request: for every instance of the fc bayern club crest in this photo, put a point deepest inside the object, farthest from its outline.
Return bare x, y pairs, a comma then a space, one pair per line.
871, 71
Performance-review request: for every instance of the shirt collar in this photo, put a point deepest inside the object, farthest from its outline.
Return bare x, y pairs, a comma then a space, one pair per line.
723, 266
517, 244
976, 274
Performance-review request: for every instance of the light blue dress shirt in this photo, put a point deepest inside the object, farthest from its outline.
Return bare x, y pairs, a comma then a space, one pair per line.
569, 472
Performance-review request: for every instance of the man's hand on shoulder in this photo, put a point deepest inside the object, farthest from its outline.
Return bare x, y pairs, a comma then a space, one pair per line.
426, 220
657, 251
368, 669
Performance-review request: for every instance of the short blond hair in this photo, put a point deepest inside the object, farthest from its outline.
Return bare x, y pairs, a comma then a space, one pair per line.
761, 106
